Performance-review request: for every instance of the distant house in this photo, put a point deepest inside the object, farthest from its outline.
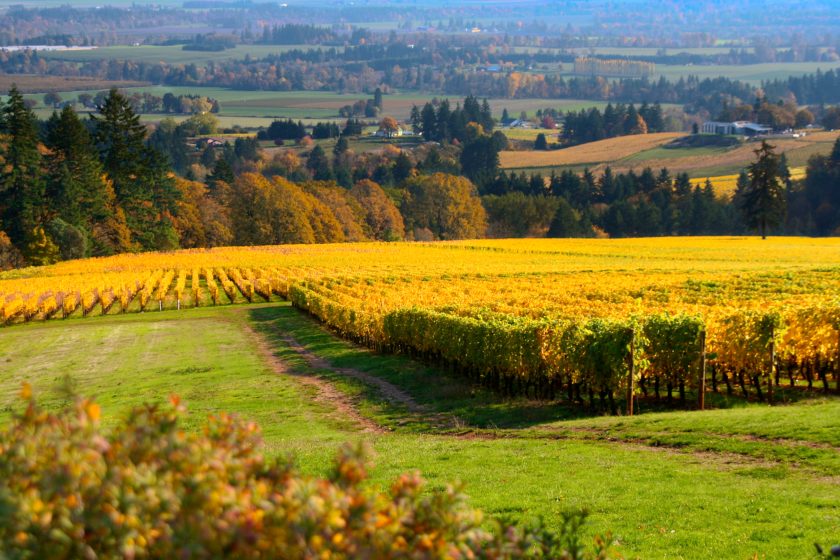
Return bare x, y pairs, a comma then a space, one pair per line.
382, 133
209, 143
743, 128
519, 123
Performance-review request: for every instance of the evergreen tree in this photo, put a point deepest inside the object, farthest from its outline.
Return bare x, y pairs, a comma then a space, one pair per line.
120, 136
222, 173
319, 164
22, 185
480, 161
415, 120
402, 168
541, 143
341, 146
763, 202
77, 192
428, 118
170, 139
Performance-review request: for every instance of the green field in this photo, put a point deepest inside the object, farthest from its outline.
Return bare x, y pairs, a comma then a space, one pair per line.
745, 482
174, 54
257, 108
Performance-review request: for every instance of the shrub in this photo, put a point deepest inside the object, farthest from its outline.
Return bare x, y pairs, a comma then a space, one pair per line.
148, 488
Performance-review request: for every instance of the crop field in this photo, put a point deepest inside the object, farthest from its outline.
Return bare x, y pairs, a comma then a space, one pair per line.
518, 312
636, 152
423, 398
174, 54
609, 150
725, 185
252, 108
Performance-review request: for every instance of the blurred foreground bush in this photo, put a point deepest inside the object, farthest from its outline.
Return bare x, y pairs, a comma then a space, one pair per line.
148, 489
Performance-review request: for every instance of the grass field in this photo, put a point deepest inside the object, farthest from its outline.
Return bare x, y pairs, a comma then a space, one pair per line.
253, 108
636, 152
174, 54
721, 484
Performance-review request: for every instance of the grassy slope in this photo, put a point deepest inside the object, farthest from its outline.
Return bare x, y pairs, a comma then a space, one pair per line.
721, 502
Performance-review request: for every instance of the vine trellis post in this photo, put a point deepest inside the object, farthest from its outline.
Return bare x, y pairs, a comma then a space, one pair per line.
701, 373
632, 375
772, 371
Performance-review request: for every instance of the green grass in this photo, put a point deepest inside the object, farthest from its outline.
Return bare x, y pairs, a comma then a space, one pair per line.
174, 54
717, 484
669, 153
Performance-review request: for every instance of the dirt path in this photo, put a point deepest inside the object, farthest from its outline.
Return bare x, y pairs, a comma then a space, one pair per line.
325, 394
389, 391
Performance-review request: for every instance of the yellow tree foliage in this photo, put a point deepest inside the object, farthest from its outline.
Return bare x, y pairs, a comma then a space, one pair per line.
381, 215
447, 205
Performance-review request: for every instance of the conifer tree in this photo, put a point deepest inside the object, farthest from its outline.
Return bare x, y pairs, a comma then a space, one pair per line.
119, 137
76, 188
22, 185
763, 203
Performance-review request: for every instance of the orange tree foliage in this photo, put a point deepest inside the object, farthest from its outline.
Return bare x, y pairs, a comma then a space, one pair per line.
148, 489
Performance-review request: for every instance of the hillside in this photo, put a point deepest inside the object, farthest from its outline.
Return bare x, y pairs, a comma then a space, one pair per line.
627, 153
683, 473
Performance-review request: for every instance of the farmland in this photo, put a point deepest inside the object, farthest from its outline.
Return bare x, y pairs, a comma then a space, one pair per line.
612, 149
737, 292
767, 473
635, 152
254, 108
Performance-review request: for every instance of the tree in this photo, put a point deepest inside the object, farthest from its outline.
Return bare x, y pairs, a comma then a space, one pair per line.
119, 135
566, 221
389, 125
383, 219
274, 212
170, 139
52, 99
541, 143
377, 98
428, 119
22, 185
446, 205
85, 100
77, 190
319, 165
200, 220
341, 146
480, 160
763, 202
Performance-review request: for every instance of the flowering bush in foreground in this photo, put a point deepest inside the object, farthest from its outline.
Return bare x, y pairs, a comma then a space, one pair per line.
148, 489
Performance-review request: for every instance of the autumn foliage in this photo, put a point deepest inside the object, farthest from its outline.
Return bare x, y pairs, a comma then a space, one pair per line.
148, 489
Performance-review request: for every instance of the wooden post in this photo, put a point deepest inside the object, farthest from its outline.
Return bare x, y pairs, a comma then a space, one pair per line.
632, 375
772, 372
837, 364
701, 385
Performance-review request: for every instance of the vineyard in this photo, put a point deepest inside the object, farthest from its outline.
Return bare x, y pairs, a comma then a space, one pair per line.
591, 321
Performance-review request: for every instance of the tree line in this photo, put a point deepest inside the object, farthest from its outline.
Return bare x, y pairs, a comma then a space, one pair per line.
619, 120
72, 188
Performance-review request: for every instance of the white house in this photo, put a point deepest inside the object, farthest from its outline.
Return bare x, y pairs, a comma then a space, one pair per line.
382, 133
744, 128
519, 123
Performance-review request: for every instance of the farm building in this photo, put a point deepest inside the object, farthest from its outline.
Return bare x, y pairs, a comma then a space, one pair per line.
519, 123
743, 128
382, 133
